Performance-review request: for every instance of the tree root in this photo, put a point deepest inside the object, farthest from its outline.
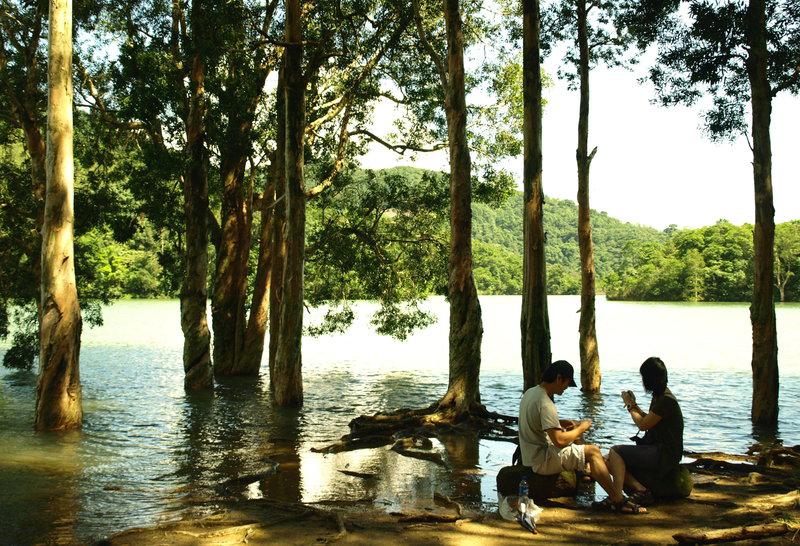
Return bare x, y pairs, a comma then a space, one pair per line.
446, 502
431, 456
411, 428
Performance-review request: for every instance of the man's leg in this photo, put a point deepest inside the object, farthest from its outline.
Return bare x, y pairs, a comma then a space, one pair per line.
605, 475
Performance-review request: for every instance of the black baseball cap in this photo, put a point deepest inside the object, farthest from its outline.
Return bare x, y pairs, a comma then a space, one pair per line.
562, 368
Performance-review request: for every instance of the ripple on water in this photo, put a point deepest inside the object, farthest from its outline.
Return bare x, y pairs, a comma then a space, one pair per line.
148, 451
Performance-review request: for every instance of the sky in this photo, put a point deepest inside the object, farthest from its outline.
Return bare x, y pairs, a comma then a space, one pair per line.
654, 166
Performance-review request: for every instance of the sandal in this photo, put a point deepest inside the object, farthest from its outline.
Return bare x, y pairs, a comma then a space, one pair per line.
625, 506
605, 504
643, 498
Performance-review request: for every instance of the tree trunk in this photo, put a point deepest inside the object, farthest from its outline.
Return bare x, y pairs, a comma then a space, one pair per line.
58, 393
196, 337
278, 250
288, 378
590, 358
230, 287
466, 328
762, 310
253, 348
534, 322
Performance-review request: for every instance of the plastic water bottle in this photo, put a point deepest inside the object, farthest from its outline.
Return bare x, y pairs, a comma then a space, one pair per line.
523, 496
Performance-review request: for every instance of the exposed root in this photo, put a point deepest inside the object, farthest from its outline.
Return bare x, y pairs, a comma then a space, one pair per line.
445, 502
411, 428
428, 518
430, 456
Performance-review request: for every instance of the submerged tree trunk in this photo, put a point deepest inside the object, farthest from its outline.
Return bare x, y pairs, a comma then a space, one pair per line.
534, 322
590, 358
762, 310
288, 379
466, 328
253, 348
194, 295
58, 393
278, 249
230, 288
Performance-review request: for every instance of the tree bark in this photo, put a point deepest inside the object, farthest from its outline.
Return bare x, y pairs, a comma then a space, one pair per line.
197, 368
288, 378
590, 357
278, 250
58, 393
762, 310
230, 287
466, 328
253, 348
534, 322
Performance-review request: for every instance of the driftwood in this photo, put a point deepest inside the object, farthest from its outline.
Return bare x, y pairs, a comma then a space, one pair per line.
362, 475
352, 444
720, 456
735, 468
733, 534
270, 469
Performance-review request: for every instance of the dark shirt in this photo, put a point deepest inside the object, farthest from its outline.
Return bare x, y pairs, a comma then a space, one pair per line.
668, 432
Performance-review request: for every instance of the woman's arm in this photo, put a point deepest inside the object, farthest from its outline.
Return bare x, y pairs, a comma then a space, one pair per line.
642, 420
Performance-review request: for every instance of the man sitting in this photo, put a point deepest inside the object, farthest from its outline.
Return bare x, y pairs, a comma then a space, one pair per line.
548, 444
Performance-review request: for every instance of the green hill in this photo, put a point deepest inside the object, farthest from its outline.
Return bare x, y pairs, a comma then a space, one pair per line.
497, 235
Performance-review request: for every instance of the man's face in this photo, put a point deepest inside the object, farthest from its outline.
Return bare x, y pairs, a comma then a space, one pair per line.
561, 384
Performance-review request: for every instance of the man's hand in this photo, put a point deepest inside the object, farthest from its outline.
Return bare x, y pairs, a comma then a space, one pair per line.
585, 425
628, 398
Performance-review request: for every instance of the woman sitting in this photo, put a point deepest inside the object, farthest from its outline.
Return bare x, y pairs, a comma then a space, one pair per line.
658, 453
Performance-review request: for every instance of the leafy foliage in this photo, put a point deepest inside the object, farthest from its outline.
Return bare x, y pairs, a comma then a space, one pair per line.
703, 52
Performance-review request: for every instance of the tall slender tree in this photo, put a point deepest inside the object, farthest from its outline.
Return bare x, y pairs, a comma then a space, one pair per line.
288, 378
194, 292
589, 353
588, 28
466, 326
58, 393
743, 54
534, 322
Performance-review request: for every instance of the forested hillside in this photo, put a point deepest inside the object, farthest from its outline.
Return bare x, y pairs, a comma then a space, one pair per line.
497, 233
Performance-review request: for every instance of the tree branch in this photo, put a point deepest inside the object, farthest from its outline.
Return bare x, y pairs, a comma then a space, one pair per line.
344, 101
344, 137
437, 60
398, 148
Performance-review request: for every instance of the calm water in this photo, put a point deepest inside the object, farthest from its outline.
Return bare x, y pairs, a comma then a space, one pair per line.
148, 452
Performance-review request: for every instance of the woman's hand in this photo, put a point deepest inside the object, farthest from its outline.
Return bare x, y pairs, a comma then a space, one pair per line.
628, 398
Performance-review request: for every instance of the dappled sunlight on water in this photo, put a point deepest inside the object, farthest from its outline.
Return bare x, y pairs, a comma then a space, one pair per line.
148, 451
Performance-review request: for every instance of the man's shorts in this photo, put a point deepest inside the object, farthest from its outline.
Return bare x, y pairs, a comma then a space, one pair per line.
571, 457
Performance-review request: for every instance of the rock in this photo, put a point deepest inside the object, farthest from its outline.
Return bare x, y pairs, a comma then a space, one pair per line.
541, 487
676, 484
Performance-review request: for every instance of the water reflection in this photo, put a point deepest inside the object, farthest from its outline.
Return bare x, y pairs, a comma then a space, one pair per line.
40, 477
283, 446
463, 454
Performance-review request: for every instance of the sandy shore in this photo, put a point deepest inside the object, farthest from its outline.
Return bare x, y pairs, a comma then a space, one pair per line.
719, 500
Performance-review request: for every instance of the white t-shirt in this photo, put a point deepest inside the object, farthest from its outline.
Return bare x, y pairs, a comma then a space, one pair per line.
537, 413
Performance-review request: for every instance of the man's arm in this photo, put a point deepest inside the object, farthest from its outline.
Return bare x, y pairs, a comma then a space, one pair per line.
563, 438
567, 424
